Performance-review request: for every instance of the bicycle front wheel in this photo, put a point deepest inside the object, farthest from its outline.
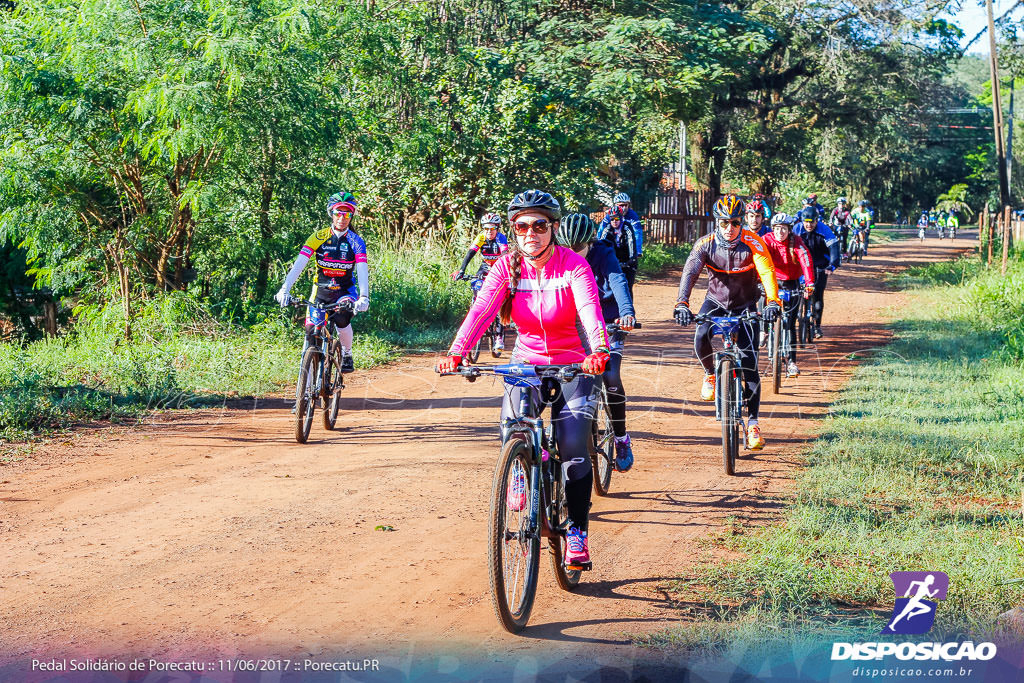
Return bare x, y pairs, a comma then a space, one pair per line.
309, 374
332, 386
513, 551
730, 428
775, 354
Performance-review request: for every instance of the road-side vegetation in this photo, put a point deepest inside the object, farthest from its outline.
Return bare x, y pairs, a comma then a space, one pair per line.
917, 468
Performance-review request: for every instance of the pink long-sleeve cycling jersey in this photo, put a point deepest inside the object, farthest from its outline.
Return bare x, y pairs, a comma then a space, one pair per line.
544, 309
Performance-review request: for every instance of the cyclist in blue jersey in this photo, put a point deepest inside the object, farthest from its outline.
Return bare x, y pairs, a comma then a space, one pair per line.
823, 245
577, 231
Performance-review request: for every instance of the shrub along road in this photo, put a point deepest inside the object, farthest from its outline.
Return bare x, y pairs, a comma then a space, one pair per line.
212, 531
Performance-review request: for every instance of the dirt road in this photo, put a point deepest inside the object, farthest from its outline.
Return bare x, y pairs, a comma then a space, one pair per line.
214, 532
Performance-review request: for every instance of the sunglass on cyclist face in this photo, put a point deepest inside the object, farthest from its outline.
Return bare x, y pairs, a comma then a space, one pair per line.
539, 227
343, 214
726, 223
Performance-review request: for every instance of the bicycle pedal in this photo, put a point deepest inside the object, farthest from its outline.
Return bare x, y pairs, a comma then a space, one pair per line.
580, 567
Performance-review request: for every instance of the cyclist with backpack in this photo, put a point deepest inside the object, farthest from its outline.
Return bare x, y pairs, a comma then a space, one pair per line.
736, 259
840, 221
544, 288
341, 272
622, 237
577, 232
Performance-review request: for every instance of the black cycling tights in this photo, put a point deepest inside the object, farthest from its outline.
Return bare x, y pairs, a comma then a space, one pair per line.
796, 297
818, 298
746, 335
612, 378
572, 413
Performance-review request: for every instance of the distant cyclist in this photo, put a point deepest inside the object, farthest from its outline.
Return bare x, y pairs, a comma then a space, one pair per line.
758, 197
840, 221
953, 223
544, 288
863, 220
491, 244
623, 205
755, 216
812, 201
577, 232
792, 261
736, 259
341, 272
623, 238
823, 246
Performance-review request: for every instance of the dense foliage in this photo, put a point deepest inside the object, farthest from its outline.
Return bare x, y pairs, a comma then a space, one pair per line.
163, 146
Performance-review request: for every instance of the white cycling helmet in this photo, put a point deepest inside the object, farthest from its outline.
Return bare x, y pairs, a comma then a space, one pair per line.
491, 219
783, 218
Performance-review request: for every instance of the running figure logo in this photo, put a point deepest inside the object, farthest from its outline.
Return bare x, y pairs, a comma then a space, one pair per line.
914, 612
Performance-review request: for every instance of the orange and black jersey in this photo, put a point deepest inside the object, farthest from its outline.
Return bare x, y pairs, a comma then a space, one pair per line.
733, 271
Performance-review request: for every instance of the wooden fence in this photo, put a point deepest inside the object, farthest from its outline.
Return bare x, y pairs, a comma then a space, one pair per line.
677, 216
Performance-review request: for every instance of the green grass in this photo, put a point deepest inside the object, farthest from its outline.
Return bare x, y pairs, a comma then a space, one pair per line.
658, 258
918, 467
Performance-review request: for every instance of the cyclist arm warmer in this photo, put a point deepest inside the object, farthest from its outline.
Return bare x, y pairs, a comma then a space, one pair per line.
695, 263
469, 257
602, 230
764, 266
803, 255
295, 272
363, 277
588, 301
484, 309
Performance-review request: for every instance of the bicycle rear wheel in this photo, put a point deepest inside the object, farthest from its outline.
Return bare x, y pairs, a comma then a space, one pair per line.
567, 579
332, 386
775, 353
602, 448
513, 551
309, 374
730, 428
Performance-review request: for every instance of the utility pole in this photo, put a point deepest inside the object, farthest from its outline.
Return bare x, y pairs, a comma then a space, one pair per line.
1009, 141
997, 109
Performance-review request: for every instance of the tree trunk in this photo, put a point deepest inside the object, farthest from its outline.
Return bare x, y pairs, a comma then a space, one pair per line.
707, 154
266, 230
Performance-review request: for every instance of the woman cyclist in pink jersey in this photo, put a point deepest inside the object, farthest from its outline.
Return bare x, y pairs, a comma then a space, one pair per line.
543, 288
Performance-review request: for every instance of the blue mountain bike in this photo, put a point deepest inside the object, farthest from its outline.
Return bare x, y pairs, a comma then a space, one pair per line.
729, 401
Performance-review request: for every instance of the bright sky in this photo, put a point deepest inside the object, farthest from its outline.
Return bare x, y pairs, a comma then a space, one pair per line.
972, 18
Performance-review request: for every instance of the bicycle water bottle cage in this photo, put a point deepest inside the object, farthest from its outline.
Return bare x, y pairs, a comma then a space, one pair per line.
785, 294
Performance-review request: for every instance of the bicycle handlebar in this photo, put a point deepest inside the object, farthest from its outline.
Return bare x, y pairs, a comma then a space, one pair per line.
615, 327
340, 304
562, 373
745, 316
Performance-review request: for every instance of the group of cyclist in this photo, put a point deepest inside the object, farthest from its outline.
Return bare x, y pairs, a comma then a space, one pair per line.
561, 278
943, 222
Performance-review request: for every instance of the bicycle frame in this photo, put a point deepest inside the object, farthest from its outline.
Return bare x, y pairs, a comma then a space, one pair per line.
532, 426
